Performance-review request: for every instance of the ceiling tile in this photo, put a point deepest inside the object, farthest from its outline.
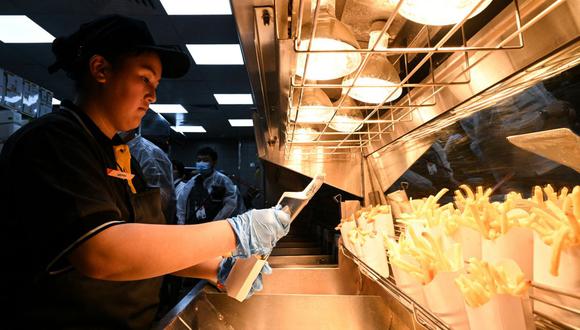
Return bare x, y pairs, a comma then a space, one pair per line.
195, 90
194, 29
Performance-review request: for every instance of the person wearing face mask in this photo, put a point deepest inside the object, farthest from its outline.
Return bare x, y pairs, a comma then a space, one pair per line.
207, 196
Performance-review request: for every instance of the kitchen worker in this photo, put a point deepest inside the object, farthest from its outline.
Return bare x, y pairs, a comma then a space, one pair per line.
84, 239
209, 195
156, 167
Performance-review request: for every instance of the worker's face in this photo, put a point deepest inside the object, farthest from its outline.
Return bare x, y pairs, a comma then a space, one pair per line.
129, 89
205, 158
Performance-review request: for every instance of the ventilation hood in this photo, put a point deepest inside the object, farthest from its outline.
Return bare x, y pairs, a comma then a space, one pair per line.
444, 73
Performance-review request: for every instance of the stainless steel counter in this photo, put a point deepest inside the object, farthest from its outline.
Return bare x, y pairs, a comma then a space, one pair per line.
296, 297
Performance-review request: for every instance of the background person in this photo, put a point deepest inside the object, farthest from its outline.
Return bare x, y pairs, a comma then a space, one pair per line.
209, 195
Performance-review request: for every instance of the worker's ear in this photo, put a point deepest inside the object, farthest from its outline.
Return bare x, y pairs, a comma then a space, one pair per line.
99, 68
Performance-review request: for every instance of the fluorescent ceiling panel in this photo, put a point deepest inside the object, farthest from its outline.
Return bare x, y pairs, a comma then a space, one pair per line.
188, 129
241, 122
21, 29
234, 98
55, 101
168, 108
197, 7
219, 54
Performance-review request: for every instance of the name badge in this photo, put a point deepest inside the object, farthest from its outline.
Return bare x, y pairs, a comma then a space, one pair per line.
119, 174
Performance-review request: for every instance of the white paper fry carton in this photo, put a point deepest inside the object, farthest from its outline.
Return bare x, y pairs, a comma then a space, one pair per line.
409, 285
446, 301
516, 244
567, 281
502, 312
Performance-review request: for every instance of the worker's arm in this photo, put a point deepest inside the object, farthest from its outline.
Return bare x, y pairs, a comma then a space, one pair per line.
206, 270
136, 251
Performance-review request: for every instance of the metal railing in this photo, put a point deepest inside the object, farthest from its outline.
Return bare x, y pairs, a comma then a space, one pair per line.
426, 318
382, 118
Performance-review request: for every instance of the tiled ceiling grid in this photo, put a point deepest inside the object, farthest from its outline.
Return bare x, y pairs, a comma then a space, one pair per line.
194, 91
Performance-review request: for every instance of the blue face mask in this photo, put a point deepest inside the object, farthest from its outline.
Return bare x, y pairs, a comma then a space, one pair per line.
203, 167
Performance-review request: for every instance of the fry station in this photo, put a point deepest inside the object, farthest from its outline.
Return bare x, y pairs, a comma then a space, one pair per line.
454, 141
383, 164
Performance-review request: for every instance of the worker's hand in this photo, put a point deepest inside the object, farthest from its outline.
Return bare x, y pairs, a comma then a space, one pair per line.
258, 231
225, 268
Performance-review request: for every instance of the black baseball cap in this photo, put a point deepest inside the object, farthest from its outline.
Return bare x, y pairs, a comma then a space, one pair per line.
113, 34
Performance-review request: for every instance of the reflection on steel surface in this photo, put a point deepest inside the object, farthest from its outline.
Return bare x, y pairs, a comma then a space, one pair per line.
474, 66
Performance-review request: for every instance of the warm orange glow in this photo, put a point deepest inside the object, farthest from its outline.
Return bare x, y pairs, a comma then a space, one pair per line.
439, 12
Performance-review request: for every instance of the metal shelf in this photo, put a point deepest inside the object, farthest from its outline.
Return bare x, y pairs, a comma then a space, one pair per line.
429, 320
383, 118
420, 313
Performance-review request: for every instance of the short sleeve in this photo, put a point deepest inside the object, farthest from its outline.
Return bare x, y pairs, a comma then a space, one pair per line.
60, 189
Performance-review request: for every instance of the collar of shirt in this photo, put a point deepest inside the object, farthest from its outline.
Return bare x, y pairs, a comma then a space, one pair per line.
101, 138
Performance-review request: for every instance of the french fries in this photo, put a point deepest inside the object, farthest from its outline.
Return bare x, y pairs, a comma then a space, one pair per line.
554, 216
482, 281
492, 220
423, 256
556, 219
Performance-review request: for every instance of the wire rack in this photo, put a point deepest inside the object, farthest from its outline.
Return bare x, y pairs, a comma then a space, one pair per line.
422, 315
413, 59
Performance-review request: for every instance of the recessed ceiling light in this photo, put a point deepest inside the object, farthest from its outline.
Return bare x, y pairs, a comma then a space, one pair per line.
216, 54
168, 108
55, 101
188, 129
234, 98
197, 7
21, 29
241, 122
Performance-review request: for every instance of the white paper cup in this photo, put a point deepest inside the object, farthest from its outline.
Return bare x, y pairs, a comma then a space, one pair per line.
384, 224
446, 301
502, 312
568, 280
409, 285
345, 228
470, 241
399, 203
373, 254
516, 244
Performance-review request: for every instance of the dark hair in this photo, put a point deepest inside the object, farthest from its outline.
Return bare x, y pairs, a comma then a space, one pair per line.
207, 151
177, 165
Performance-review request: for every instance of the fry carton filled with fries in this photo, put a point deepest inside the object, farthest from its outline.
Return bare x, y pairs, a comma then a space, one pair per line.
514, 241
424, 257
493, 294
555, 218
364, 231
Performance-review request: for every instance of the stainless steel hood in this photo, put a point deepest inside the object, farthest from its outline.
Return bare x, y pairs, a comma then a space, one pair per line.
444, 78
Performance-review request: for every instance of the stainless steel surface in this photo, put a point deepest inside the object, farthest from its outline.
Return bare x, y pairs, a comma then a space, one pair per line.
295, 251
172, 319
303, 312
297, 298
461, 77
289, 244
300, 280
299, 260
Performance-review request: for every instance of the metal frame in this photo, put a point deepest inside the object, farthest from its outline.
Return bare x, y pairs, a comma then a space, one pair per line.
382, 118
429, 320
420, 313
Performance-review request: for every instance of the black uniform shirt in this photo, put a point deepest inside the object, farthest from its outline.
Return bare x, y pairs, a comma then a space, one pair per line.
55, 194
